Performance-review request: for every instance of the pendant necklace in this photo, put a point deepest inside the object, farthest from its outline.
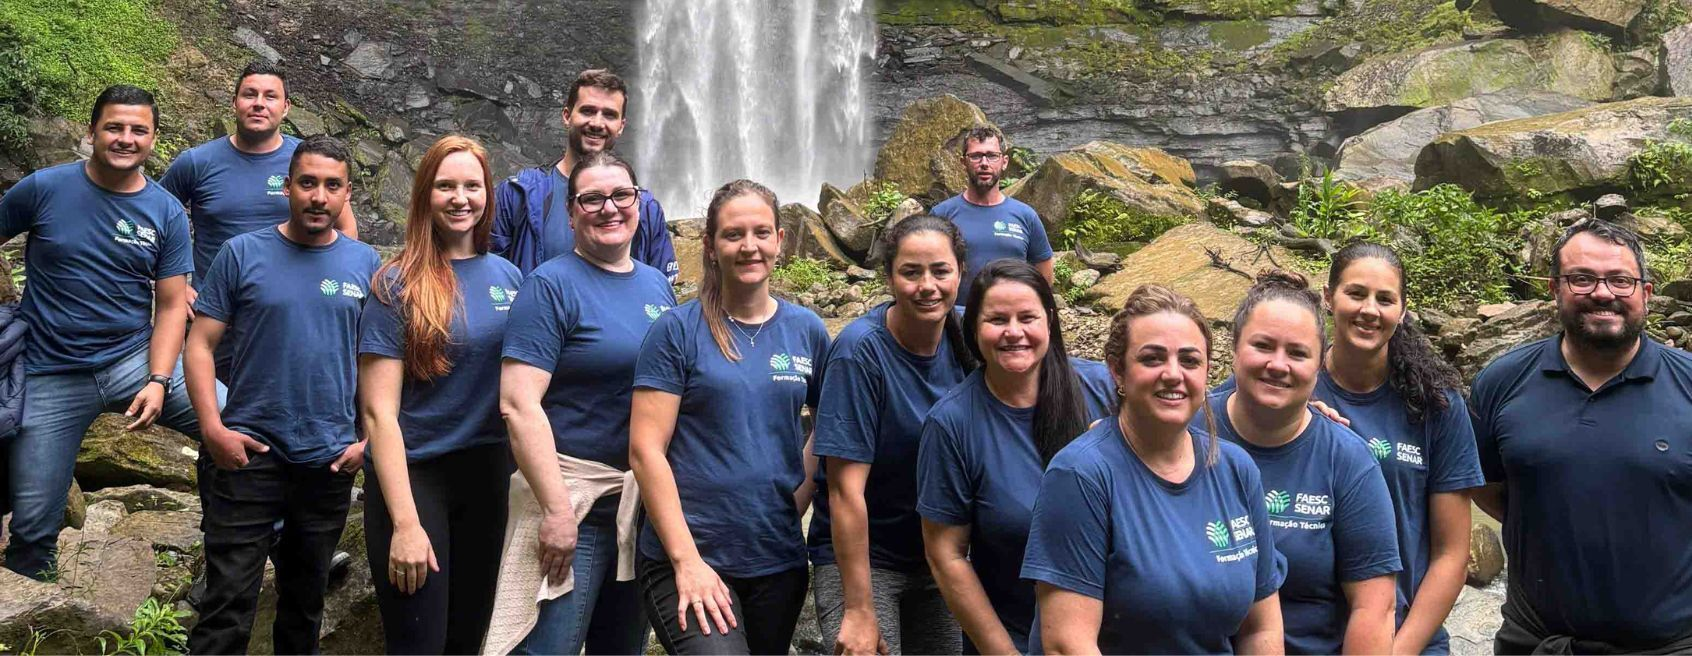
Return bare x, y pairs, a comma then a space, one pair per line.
752, 339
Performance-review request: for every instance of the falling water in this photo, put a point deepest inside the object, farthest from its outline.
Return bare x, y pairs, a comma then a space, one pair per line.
772, 90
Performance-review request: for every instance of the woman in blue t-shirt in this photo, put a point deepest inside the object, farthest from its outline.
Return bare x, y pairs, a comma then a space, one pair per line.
428, 367
1148, 537
985, 444
884, 372
1327, 502
717, 446
1382, 375
569, 368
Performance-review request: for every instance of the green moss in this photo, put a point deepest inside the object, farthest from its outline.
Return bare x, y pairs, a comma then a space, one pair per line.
1069, 12
1385, 27
931, 12
1239, 9
1658, 17
1239, 35
75, 48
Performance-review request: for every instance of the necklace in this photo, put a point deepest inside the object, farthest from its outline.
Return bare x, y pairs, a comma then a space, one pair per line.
752, 339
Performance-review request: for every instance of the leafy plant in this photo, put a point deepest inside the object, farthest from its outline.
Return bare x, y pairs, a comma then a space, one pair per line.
1326, 208
1658, 17
1660, 164
155, 629
32, 642
883, 200
1097, 218
71, 49
1459, 250
801, 273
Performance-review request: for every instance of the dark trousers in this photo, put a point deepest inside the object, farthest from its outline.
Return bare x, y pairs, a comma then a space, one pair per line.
241, 509
767, 608
461, 503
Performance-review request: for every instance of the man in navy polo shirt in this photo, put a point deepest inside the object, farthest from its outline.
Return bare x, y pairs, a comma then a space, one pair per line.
287, 298
106, 306
1586, 442
994, 226
532, 214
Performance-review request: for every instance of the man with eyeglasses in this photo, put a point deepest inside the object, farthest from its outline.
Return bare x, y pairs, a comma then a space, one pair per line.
531, 209
1586, 442
994, 225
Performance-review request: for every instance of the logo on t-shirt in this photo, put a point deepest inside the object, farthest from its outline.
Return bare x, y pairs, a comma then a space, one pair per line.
134, 234
1217, 533
502, 297
273, 185
1382, 449
332, 287
655, 311
1277, 501
1303, 510
1010, 230
790, 368
1410, 454
1232, 541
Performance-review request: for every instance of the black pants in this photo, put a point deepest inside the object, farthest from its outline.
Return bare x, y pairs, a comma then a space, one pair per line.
461, 503
767, 608
241, 509
1519, 634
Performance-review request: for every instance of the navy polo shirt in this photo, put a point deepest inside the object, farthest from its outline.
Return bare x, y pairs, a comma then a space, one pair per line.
1599, 492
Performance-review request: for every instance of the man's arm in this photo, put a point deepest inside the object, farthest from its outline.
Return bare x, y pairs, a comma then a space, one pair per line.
170, 323
658, 252
347, 223
506, 209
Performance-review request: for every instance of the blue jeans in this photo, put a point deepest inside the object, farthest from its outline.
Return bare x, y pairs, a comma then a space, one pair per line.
58, 409
601, 612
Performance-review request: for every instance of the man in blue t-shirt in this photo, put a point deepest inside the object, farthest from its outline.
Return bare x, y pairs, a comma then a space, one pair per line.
994, 225
532, 214
1585, 439
106, 307
285, 447
233, 185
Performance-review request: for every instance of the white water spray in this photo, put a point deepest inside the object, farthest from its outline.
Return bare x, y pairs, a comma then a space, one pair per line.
772, 90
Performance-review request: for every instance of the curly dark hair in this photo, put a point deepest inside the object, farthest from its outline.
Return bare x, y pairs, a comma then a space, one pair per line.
1414, 370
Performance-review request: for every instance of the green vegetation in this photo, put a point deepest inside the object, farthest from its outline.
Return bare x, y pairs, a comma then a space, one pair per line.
1062, 271
801, 273
155, 629
1327, 208
1252, 9
1660, 164
1146, 59
883, 200
56, 56
1099, 220
1658, 17
1388, 26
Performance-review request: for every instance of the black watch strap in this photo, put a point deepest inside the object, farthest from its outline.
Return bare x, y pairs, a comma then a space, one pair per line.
163, 381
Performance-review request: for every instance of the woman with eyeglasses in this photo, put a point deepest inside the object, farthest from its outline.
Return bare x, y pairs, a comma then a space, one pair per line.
716, 443
569, 370
1403, 399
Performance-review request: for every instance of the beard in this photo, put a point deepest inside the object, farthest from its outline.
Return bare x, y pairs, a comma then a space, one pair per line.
579, 148
1573, 318
979, 187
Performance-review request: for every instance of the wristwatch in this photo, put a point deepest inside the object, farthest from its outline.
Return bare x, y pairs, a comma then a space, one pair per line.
163, 381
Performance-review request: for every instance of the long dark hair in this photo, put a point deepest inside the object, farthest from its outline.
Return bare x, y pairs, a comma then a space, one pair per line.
1419, 376
1059, 412
962, 351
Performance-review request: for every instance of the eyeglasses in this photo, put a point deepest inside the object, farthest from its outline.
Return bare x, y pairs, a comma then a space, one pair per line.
1586, 283
594, 201
990, 158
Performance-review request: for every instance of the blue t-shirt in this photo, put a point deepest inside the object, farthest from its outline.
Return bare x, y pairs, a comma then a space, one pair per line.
1177, 565
291, 315
584, 325
1010, 229
1418, 460
738, 449
979, 467
458, 410
1598, 492
228, 192
1332, 518
873, 402
92, 257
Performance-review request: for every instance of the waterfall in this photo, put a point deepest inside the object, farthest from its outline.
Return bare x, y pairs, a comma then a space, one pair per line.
772, 90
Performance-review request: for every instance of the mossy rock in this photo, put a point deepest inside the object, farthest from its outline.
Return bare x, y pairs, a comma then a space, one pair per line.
1564, 62
1181, 259
1065, 12
111, 457
957, 13
922, 156
1148, 181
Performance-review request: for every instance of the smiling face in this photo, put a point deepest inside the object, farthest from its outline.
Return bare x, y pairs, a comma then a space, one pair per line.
595, 121
317, 190
1163, 371
458, 197
925, 276
122, 137
1013, 330
1277, 355
261, 102
746, 241
1600, 319
608, 226
1367, 305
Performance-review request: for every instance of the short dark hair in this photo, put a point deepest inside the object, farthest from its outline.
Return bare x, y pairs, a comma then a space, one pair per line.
982, 133
1606, 231
323, 145
123, 94
598, 78
261, 67
600, 159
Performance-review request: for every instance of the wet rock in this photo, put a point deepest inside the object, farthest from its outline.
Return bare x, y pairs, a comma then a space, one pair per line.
1563, 62
372, 60
1146, 180
1390, 149
306, 122
111, 457
846, 220
1581, 153
923, 153
255, 42
1250, 179
1182, 258
817, 242
1610, 17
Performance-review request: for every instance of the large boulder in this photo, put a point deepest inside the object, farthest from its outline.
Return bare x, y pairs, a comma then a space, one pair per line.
1581, 153
1389, 149
114, 573
1251, 180
1148, 181
174, 530
843, 212
1563, 62
1211, 265
1610, 17
112, 456
136, 498
45, 618
1470, 345
1675, 53
923, 154
1475, 619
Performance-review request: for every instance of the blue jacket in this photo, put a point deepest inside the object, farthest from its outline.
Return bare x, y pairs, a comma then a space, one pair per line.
520, 207
13, 331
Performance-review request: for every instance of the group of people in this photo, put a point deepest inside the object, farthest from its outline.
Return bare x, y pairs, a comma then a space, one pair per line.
561, 457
